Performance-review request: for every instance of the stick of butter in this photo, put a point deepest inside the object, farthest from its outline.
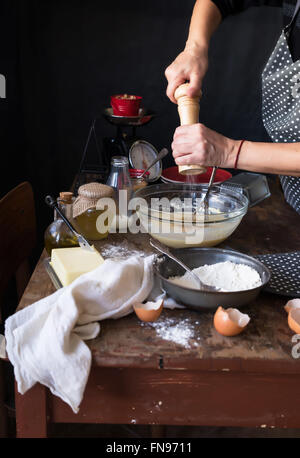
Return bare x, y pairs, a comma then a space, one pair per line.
70, 263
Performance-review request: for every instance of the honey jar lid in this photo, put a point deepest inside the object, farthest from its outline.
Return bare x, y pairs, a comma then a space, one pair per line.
66, 197
88, 196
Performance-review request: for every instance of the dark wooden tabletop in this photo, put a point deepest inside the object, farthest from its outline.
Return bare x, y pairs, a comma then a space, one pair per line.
265, 346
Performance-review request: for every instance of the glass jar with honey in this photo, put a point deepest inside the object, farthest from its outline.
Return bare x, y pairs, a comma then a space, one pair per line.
86, 213
57, 234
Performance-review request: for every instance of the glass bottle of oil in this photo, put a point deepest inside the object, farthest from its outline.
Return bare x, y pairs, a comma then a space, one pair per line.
57, 234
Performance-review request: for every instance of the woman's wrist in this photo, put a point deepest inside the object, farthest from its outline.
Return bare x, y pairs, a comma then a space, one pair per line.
232, 152
197, 48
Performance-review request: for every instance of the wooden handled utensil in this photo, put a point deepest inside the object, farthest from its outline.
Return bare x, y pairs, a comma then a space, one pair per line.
188, 110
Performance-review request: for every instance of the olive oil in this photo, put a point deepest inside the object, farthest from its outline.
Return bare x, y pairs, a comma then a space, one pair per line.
86, 223
57, 234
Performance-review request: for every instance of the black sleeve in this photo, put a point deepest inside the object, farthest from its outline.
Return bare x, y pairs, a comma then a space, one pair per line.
227, 7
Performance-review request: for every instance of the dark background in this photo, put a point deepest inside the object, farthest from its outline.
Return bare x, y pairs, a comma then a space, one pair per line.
63, 59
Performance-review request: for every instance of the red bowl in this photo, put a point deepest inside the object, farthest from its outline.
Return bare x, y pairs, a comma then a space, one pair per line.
125, 107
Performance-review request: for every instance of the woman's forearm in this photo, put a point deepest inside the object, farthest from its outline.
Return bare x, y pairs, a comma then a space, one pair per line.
205, 19
191, 64
277, 158
197, 144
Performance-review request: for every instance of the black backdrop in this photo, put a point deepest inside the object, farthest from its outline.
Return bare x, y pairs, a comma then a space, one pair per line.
63, 58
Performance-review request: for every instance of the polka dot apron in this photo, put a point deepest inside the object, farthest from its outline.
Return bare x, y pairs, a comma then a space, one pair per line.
281, 104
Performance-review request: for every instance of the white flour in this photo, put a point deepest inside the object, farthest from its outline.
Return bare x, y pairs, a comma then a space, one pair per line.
181, 333
228, 276
120, 250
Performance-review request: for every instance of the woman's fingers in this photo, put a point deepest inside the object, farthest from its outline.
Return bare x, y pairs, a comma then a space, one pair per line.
188, 130
196, 144
172, 86
177, 154
187, 141
188, 66
188, 159
195, 85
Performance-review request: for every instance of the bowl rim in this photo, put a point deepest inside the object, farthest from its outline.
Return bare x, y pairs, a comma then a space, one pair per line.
256, 261
172, 187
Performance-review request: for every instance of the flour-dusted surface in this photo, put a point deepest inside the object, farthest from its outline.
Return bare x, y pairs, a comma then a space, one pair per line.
228, 276
122, 250
183, 333
124, 246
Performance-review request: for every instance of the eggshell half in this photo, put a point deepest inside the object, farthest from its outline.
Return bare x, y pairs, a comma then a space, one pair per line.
230, 322
294, 320
292, 304
150, 311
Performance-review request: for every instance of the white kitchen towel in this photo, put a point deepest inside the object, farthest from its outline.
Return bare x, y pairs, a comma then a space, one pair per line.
45, 341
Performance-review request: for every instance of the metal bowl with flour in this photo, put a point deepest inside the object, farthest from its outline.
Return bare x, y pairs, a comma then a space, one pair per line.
206, 300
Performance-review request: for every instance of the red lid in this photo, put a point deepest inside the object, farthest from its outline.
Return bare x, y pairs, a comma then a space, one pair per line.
172, 175
137, 172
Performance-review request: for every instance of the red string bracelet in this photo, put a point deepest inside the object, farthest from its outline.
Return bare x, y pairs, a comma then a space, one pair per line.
238, 154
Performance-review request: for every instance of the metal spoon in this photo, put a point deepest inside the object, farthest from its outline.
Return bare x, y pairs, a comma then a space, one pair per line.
211, 180
81, 240
160, 156
165, 250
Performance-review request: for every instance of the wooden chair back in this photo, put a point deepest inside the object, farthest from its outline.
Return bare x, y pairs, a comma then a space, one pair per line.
17, 241
17, 236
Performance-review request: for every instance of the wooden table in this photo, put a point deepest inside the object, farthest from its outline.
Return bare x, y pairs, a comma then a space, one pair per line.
138, 377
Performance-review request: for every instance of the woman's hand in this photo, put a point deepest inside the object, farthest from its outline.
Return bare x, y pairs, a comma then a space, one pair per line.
196, 144
190, 65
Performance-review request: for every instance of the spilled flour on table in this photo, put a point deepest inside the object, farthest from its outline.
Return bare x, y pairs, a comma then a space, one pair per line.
181, 333
120, 250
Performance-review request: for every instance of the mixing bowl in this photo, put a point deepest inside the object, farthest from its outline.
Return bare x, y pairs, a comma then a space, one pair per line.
174, 214
206, 300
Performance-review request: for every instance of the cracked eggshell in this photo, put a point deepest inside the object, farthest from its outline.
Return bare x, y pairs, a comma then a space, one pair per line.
292, 304
150, 311
294, 320
230, 322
